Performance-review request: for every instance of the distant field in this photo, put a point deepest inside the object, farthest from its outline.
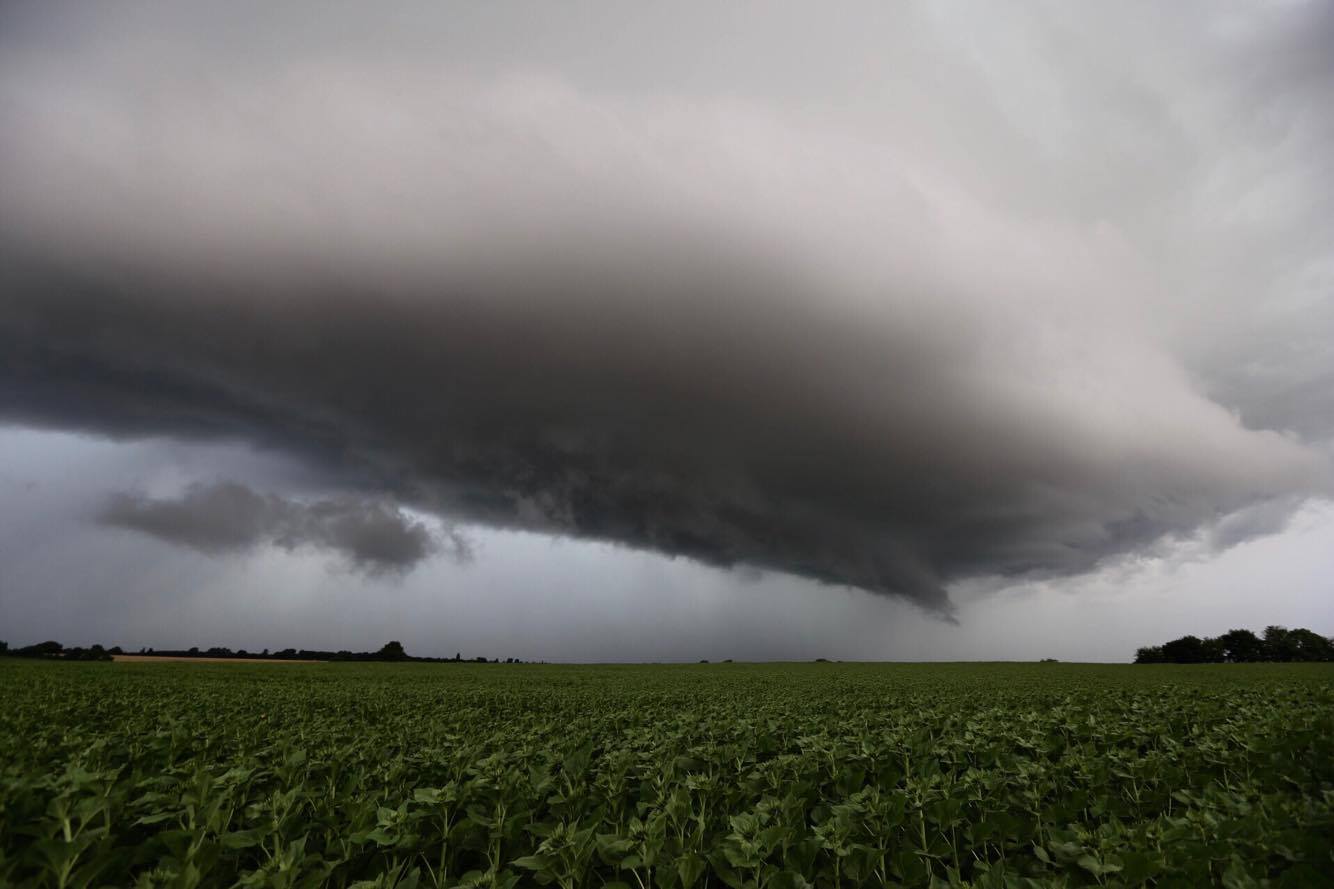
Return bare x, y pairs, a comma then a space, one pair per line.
776, 776
153, 658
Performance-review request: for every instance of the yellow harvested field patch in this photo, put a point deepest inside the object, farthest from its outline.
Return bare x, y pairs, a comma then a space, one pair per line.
151, 658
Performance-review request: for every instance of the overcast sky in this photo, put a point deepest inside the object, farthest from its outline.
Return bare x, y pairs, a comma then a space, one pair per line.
584, 332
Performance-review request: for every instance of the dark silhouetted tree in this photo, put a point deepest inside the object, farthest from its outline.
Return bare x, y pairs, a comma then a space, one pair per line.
1241, 647
1279, 645
392, 651
1186, 650
1150, 654
1304, 645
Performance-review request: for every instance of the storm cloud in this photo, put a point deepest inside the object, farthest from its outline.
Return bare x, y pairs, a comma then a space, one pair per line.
373, 536
889, 347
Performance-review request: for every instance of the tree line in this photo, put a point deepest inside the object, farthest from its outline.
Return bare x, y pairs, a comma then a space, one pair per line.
51, 649
391, 651
1276, 645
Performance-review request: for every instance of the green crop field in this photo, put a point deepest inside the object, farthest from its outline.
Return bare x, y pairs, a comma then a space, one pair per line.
670, 776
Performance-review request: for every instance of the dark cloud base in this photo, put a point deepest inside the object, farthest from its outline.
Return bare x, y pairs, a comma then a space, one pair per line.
374, 536
719, 420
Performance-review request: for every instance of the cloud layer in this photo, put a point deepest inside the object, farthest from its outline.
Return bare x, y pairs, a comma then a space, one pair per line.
373, 536
706, 325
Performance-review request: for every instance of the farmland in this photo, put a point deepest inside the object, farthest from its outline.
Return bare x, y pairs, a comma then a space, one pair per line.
774, 776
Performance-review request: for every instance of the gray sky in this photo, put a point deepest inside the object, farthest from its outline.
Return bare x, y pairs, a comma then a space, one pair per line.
590, 333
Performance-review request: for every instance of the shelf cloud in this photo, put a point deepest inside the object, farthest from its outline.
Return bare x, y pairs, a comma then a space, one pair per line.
720, 327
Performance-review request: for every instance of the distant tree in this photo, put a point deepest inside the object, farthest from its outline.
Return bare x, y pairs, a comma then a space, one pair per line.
4, 647
1282, 645
1150, 654
1186, 650
194, 650
1241, 647
49, 648
458, 655
1278, 645
392, 651
1304, 645
265, 653
115, 649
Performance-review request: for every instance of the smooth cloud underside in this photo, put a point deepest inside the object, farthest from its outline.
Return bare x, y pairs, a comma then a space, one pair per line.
688, 328
374, 537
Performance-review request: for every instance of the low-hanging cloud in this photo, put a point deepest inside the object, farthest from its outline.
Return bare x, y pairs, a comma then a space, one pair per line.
681, 325
372, 535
